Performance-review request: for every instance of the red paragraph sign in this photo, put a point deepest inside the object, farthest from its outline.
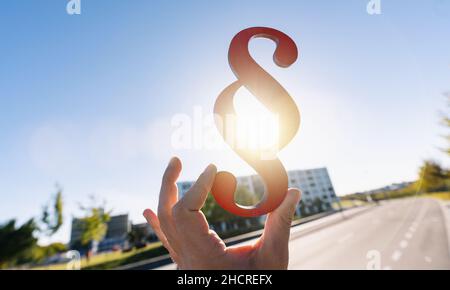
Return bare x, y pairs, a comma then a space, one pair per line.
277, 100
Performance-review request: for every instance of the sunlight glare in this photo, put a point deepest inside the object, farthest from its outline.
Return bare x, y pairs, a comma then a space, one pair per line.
257, 127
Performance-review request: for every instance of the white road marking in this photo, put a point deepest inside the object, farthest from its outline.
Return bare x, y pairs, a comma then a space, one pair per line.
345, 238
403, 244
396, 255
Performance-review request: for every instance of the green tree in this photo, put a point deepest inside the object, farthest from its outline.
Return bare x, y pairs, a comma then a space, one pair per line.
15, 242
93, 225
303, 212
433, 177
40, 253
318, 204
246, 198
52, 216
215, 213
19, 245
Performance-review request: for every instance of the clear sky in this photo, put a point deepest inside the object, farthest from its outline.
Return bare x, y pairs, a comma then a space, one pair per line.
86, 100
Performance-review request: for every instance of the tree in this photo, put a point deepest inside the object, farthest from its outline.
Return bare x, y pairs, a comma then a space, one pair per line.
303, 212
433, 177
40, 253
15, 242
19, 245
52, 219
215, 213
318, 204
245, 197
93, 225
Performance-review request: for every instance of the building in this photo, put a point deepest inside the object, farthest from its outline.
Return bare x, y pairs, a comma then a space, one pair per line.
183, 187
317, 189
315, 184
116, 237
118, 228
75, 233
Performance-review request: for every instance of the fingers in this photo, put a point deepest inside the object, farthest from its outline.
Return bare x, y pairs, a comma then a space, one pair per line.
168, 197
153, 221
195, 198
278, 224
191, 224
169, 192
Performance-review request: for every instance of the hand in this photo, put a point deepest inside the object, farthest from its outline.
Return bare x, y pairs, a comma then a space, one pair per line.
183, 230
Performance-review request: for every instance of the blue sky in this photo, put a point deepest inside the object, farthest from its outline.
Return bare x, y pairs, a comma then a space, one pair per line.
86, 101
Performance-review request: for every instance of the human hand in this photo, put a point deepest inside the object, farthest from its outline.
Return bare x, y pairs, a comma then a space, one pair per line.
183, 229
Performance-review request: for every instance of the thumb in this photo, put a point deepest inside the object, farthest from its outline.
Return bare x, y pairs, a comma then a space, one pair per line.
278, 223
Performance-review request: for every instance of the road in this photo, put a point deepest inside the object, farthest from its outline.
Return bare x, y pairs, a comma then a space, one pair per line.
401, 234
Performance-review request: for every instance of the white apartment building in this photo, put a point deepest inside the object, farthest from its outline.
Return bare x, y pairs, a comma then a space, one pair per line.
315, 185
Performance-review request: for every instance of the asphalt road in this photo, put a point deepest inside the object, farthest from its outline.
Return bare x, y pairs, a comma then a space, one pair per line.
401, 234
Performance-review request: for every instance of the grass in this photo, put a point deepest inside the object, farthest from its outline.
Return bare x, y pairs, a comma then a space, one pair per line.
349, 203
113, 259
439, 195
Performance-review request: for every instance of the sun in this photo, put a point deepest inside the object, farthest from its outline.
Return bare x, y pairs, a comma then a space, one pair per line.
257, 128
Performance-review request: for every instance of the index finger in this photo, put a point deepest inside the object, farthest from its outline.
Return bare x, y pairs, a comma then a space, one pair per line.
195, 197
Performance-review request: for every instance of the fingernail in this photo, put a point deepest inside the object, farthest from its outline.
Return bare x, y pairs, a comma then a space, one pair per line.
210, 169
172, 161
298, 194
